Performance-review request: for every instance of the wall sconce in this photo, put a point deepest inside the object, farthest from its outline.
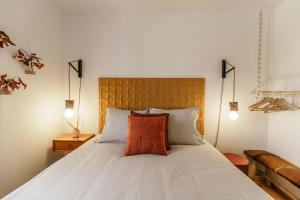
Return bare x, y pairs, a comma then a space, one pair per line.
233, 105
69, 104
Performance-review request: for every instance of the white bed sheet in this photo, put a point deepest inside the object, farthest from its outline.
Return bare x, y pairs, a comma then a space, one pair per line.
100, 171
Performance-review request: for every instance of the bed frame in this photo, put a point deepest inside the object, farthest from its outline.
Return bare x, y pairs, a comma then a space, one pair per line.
145, 93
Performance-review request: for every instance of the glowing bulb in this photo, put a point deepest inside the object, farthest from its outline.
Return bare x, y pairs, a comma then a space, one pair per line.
69, 105
69, 113
233, 115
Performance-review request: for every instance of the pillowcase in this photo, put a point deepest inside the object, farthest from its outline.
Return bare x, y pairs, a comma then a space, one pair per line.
116, 125
146, 135
182, 125
156, 115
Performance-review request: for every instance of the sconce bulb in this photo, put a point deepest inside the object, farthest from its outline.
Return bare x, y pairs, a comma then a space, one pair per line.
69, 113
233, 115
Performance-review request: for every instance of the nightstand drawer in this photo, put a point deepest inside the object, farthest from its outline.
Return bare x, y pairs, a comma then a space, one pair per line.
66, 145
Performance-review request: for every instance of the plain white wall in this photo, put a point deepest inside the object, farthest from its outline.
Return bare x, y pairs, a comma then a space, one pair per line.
174, 44
29, 118
284, 134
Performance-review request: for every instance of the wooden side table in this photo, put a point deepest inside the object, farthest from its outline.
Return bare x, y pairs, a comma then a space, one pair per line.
239, 161
67, 143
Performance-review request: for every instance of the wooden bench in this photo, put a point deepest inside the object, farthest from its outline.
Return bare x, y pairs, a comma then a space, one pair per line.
277, 171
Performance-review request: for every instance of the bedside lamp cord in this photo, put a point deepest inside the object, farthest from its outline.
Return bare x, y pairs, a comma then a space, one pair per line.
69, 78
78, 108
220, 113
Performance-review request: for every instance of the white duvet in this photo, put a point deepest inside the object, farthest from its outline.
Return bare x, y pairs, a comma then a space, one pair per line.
100, 172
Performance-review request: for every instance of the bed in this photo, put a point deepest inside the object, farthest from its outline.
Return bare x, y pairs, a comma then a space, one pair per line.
101, 171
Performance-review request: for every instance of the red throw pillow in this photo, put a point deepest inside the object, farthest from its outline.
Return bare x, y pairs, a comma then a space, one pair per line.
146, 135
156, 115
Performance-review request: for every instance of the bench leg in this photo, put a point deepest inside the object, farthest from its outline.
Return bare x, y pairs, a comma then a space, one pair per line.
252, 169
268, 182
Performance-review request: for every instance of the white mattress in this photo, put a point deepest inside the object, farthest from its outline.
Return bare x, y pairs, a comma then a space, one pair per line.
100, 171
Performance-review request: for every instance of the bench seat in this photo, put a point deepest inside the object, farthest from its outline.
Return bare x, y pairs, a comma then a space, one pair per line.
292, 174
274, 162
254, 153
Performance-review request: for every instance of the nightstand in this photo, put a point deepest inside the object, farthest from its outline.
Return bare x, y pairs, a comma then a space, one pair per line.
67, 143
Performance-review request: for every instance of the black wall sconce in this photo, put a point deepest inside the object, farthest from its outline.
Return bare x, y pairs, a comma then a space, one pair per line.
79, 67
233, 115
69, 104
233, 105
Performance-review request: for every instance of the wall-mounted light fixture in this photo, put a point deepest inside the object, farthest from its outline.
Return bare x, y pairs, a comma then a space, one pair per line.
233, 105
69, 104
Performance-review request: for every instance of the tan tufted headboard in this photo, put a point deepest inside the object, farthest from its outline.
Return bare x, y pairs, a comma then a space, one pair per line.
144, 93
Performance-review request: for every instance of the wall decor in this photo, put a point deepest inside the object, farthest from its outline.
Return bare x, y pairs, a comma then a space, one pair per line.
5, 40
31, 61
269, 101
8, 85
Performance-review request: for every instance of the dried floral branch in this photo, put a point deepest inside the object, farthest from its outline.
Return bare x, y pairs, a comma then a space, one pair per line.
30, 60
11, 83
36, 61
5, 40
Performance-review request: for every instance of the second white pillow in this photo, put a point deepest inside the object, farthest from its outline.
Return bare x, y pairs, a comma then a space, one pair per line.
182, 125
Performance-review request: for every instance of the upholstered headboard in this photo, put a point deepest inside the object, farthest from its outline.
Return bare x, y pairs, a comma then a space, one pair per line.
144, 93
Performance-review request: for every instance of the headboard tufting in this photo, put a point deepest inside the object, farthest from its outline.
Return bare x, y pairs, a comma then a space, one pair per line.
144, 93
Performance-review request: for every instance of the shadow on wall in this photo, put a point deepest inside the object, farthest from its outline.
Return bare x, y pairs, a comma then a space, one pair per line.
52, 157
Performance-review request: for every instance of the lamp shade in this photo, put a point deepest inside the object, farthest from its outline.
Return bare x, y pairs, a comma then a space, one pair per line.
233, 114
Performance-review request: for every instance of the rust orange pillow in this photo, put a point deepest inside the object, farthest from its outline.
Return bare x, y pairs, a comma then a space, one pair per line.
156, 115
146, 135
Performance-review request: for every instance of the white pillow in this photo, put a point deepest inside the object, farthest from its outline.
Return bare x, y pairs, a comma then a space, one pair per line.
182, 125
116, 125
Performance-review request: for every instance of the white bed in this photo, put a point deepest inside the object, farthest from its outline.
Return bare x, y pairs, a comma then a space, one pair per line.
100, 171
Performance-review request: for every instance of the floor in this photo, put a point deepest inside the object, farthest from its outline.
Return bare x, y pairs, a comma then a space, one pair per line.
276, 195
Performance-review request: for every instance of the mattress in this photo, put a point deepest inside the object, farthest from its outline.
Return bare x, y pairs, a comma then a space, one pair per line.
100, 171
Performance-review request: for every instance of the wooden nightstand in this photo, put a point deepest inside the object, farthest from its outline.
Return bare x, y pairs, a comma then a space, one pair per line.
67, 143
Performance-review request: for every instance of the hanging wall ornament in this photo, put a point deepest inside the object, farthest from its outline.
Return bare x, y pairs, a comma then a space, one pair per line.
5, 40
269, 101
31, 61
9, 85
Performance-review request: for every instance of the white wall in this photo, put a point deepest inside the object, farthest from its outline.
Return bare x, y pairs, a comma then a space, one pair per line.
284, 127
151, 43
29, 118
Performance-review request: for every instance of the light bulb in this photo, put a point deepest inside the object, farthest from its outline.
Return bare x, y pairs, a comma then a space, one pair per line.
69, 113
69, 105
233, 115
